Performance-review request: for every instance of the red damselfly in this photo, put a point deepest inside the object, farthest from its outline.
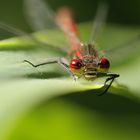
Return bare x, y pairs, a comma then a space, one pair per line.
86, 61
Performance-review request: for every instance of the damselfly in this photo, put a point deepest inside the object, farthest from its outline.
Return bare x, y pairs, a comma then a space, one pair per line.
86, 61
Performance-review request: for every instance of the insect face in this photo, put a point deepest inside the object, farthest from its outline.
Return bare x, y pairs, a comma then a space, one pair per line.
91, 68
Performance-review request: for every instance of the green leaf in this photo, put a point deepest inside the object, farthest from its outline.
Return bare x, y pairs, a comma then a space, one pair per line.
30, 106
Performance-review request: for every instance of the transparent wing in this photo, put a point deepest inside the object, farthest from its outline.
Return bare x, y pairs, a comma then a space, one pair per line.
26, 37
126, 51
99, 20
7, 31
39, 15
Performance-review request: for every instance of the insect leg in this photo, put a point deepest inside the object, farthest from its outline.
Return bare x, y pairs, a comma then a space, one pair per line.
61, 61
111, 78
40, 64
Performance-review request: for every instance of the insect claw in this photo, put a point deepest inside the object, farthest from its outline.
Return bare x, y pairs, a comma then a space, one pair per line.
24, 61
29, 63
111, 79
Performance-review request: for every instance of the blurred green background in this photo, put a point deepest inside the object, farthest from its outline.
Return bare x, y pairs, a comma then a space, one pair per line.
26, 110
121, 12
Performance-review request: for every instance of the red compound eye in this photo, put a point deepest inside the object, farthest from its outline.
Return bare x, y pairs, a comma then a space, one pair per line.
104, 63
76, 64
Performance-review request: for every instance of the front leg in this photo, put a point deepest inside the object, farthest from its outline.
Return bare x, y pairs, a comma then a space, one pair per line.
110, 79
61, 61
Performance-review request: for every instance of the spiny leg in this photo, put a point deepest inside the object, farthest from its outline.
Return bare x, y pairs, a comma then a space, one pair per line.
40, 64
60, 61
111, 78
